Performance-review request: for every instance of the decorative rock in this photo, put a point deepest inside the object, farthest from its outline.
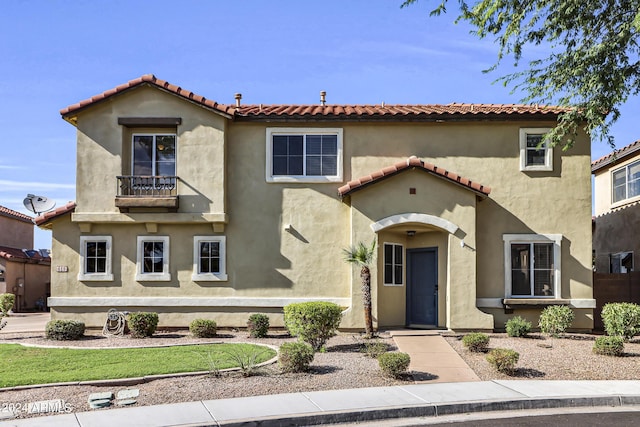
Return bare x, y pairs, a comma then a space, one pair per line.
126, 402
128, 394
100, 403
6, 414
108, 395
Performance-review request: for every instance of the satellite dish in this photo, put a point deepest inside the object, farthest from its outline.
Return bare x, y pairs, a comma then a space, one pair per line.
38, 204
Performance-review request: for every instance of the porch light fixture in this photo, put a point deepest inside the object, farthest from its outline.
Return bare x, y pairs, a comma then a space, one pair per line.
411, 233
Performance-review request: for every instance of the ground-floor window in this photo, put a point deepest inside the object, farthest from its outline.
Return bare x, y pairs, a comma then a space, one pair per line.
153, 258
209, 258
393, 263
532, 265
95, 258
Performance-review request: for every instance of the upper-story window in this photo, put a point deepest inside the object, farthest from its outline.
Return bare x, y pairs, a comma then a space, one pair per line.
535, 155
304, 155
626, 182
154, 155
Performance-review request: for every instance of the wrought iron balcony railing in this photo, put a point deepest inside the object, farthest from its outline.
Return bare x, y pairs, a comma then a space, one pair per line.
147, 186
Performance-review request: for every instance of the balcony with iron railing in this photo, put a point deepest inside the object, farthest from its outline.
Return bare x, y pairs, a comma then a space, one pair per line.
136, 191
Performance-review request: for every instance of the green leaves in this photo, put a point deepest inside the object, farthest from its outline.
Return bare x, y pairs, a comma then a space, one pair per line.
589, 63
360, 254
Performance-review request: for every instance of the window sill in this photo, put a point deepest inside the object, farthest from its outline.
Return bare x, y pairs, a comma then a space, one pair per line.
624, 202
536, 169
534, 302
395, 285
209, 277
304, 179
153, 277
95, 277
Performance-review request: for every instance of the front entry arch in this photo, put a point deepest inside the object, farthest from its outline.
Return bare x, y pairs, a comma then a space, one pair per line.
422, 287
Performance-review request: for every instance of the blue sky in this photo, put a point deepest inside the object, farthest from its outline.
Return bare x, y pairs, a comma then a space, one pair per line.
56, 53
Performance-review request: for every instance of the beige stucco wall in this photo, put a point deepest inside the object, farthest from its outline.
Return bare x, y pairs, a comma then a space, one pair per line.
35, 279
15, 233
222, 167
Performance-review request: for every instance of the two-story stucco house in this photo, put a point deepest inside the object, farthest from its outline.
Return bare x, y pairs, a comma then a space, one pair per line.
617, 210
192, 208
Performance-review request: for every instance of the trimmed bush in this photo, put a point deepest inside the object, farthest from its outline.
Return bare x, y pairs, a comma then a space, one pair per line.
609, 346
203, 328
295, 356
142, 324
555, 319
374, 348
313, 322
64, 330
394, 364
6, 303
503, 359
476, 342
621, 319
258, 325
518, 327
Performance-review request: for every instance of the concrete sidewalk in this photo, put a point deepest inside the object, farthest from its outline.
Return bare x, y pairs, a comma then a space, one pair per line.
358, 405
26, 322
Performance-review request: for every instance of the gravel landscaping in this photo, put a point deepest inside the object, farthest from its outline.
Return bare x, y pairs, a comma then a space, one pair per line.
342, 365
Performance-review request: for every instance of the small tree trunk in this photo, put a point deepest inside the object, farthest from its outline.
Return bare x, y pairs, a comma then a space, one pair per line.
365, 277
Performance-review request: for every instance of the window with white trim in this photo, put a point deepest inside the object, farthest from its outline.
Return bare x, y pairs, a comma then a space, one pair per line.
153, 259
626, 182
209, 258
535, 155
95, 258
621, 262
304, 155
532, 265
393, 264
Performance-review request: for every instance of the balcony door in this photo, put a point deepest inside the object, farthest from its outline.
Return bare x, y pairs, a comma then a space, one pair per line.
154, 155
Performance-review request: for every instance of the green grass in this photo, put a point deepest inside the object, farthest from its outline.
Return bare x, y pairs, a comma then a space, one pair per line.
28, 365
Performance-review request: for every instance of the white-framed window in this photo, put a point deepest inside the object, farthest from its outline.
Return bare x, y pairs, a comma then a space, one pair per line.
533, 158
153, 259
95, 258
153, 155
209, 258
532, 265
621, 262
393, 264
625, 182
304, 155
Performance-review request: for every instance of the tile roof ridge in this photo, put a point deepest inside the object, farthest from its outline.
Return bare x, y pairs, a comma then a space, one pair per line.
48, 216
612, 155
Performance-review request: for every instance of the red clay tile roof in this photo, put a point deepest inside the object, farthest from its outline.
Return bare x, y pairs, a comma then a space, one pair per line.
397, 112
48, 216
411, 163
15, 254
615, 156
15, 215
428, 112
149, 79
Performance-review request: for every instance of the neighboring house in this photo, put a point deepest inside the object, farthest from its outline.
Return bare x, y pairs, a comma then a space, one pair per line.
617, 210
192, 209
24, 272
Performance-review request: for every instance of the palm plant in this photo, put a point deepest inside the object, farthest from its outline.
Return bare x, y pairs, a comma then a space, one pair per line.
362, 256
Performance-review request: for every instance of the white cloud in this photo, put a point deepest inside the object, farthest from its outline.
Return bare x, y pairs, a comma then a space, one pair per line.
33, 186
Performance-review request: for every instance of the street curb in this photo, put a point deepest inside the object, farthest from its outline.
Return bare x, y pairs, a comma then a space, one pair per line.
432, 410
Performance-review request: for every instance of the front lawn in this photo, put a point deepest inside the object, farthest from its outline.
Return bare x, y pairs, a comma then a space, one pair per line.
29, 365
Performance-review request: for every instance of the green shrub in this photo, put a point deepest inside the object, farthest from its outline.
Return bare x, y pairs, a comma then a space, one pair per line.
64, 330
374, 348
476, 342
609, 346
518, 327
203, 328
142, 324
295, 356
555, 319
394, 364
313, 322
6, 303
503, 359
258, 325
621, 319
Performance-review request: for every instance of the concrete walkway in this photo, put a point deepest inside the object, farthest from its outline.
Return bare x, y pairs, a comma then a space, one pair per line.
432, 358
26, 322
